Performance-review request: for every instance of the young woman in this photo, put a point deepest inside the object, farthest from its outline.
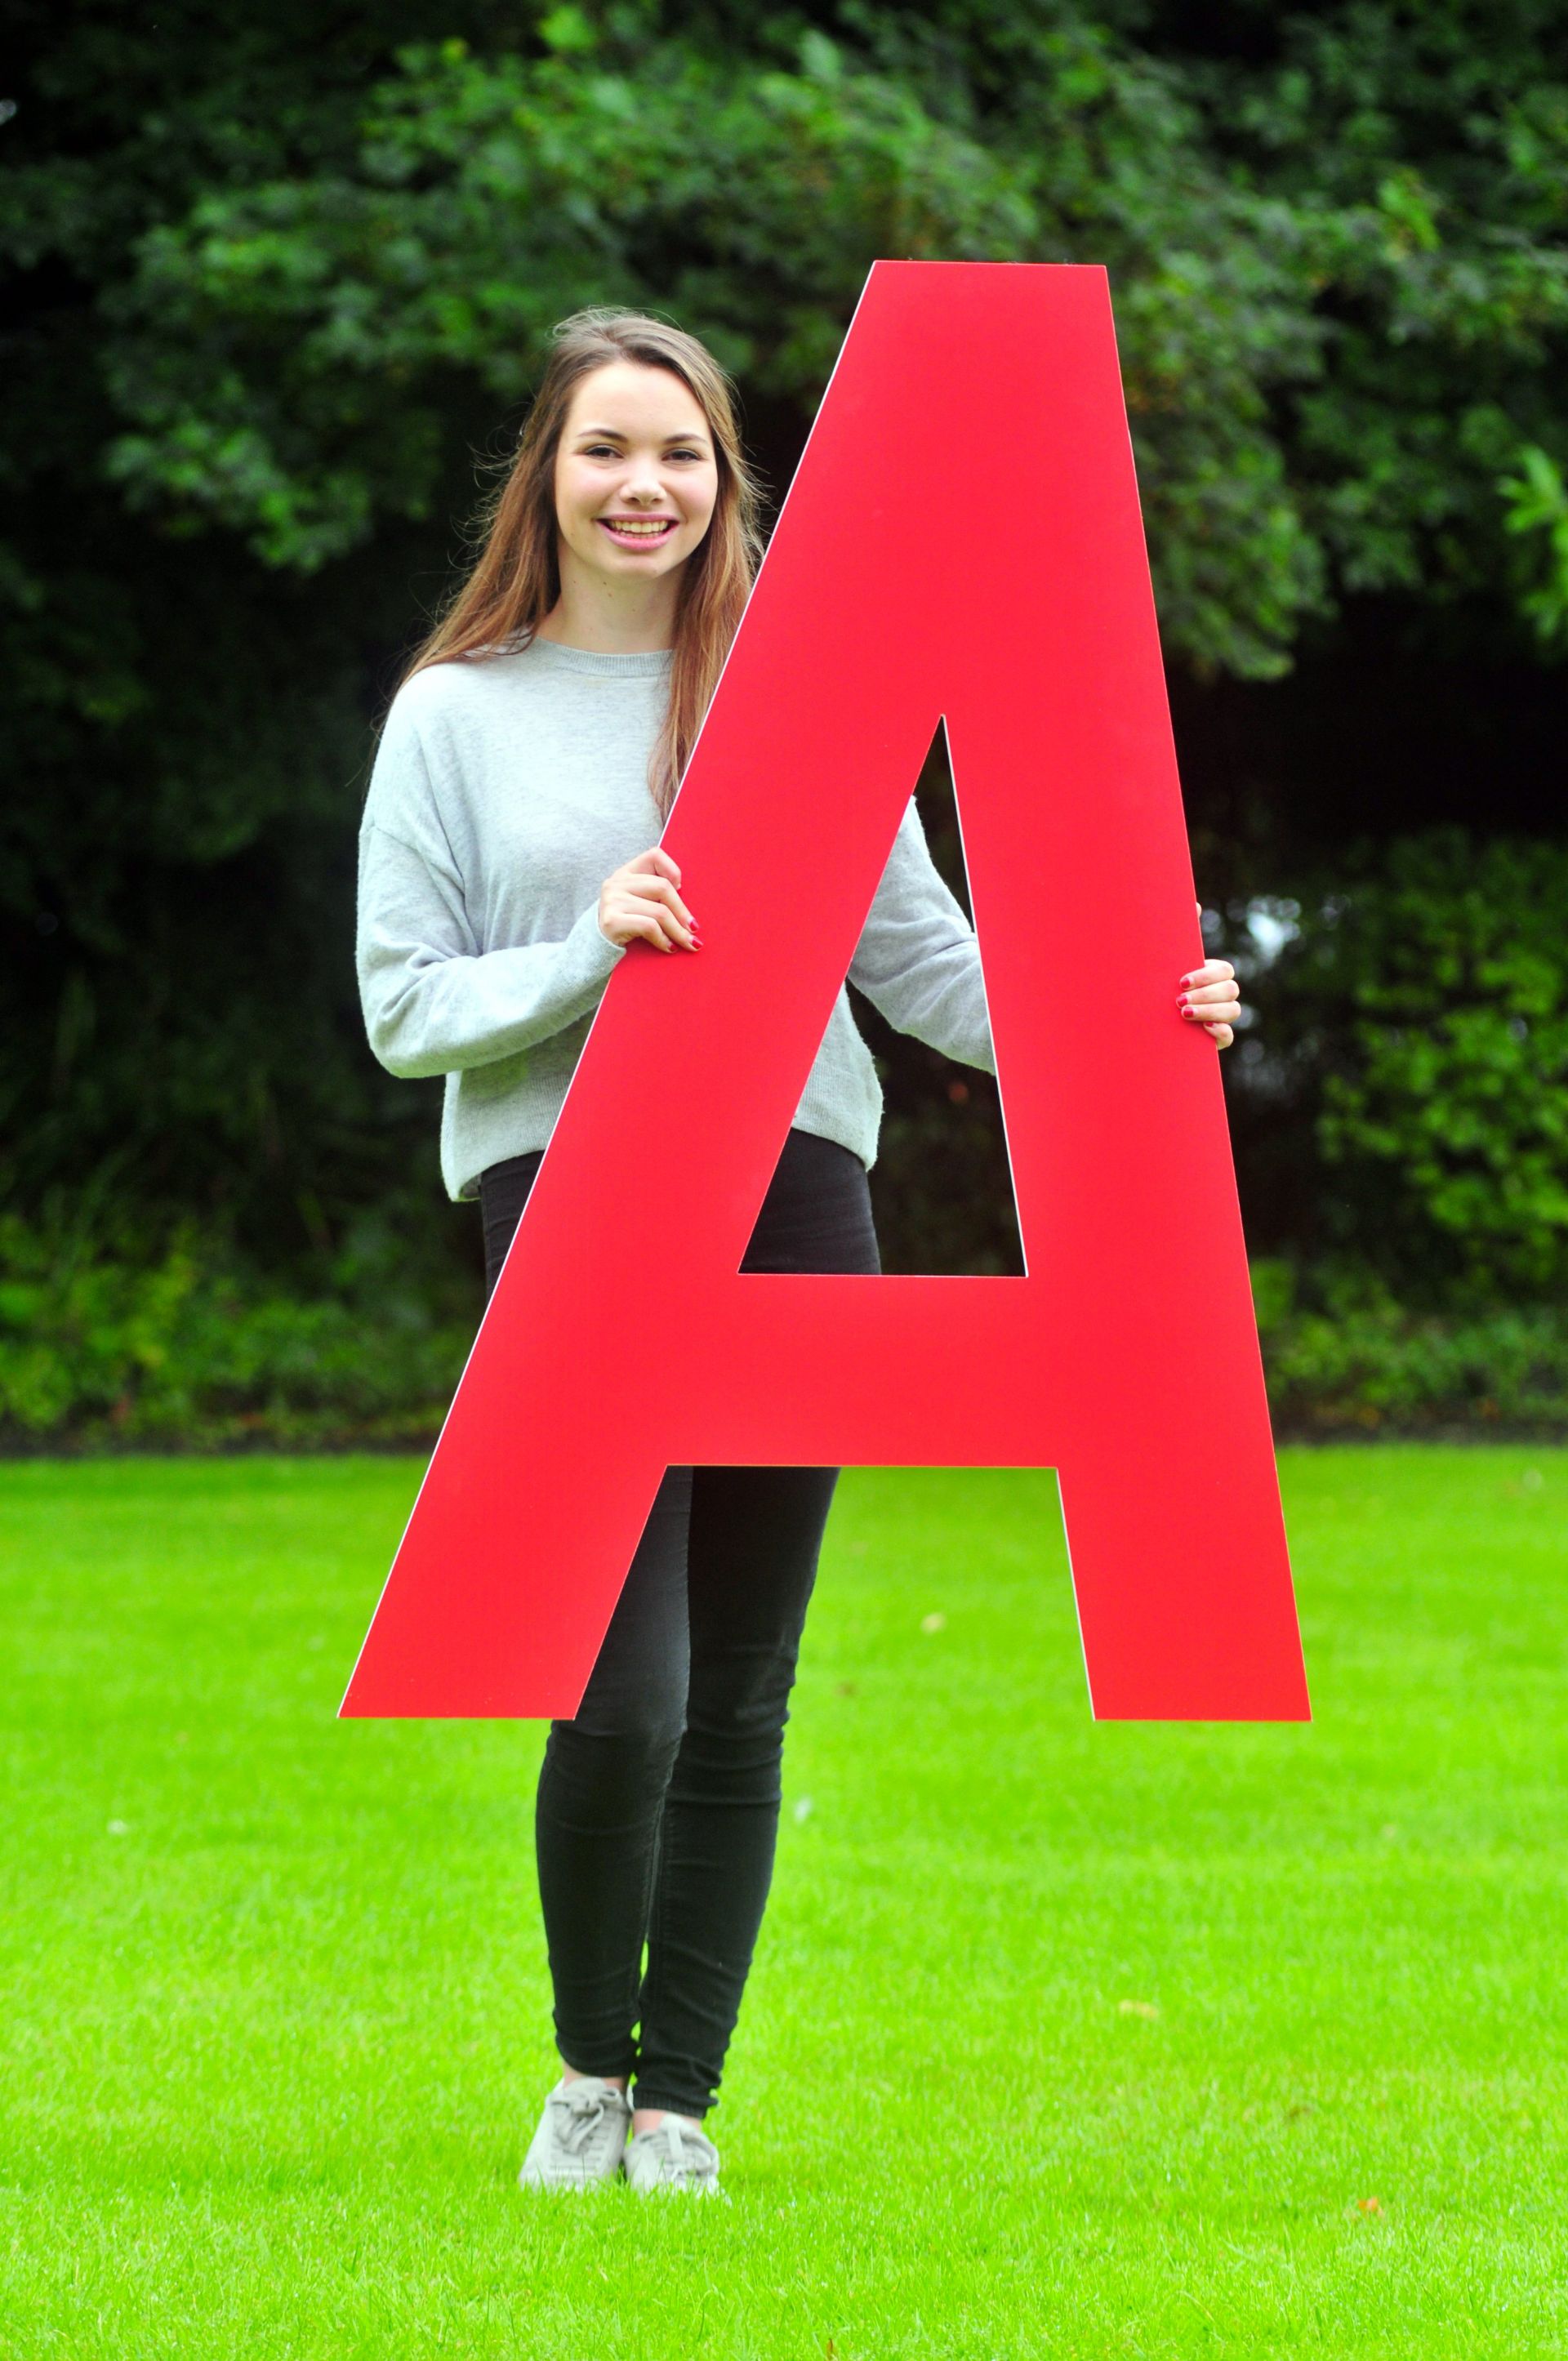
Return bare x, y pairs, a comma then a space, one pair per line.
509, 860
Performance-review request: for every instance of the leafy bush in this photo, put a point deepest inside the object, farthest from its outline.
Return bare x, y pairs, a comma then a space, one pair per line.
170, 1346
1371, 1366
1419, 1022
277, 274
173, 1349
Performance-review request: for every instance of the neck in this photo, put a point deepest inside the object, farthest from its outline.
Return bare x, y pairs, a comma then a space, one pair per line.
609, 617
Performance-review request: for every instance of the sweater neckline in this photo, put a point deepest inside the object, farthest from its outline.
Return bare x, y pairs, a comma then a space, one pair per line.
554, 656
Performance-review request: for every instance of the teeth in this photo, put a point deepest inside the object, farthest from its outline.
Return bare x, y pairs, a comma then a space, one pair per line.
642, 532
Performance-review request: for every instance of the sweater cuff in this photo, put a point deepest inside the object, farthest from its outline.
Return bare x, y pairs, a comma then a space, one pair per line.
587, 951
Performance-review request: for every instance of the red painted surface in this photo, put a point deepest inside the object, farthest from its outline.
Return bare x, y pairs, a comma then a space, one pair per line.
985, 400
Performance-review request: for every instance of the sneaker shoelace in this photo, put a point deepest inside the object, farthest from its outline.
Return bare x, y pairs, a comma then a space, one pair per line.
586, 2112
688, 2155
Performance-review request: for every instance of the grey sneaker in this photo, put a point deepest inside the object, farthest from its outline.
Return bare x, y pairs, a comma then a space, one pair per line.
675, 2155
581, 2136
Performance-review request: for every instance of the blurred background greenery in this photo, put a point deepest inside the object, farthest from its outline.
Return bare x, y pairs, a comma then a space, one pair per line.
279, 282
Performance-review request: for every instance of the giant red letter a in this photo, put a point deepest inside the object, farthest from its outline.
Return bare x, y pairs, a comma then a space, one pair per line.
962, 540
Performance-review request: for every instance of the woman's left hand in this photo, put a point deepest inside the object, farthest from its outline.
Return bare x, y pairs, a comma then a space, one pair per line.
1210, 996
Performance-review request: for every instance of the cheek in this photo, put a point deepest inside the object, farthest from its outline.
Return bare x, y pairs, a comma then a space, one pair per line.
575, 504
701, 499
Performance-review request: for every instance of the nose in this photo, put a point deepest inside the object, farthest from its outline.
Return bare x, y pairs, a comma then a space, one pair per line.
641, 482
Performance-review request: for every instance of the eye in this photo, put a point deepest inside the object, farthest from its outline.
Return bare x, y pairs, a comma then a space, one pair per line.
686, 454
601, 451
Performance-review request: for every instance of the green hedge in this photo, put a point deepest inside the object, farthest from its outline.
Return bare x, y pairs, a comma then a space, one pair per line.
1402, 1088
100, 1351
1371, 1366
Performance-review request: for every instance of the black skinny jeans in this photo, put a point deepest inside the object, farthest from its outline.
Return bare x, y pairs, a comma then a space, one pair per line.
658, 1803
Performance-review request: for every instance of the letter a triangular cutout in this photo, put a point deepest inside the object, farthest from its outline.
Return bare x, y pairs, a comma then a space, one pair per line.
962, 539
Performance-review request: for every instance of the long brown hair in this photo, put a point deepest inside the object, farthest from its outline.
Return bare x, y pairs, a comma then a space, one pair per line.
515, 579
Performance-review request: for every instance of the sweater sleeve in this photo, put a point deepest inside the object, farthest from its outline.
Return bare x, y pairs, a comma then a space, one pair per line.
433, 1001
918, 960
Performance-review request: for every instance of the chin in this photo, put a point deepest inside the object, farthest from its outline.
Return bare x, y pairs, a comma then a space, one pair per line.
656, 562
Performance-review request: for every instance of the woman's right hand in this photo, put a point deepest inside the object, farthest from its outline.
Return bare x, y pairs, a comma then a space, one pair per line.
642, 899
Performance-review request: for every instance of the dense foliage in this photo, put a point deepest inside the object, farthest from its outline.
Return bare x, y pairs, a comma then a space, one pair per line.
275, 280
1340, 337
106, 1344
1425, 1088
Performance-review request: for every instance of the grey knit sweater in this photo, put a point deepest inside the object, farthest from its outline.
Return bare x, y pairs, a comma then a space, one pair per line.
505, 791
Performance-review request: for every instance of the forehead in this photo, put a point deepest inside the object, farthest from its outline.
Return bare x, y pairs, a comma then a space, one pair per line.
637, 401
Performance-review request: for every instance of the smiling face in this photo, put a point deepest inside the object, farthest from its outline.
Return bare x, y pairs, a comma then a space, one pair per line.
636, 475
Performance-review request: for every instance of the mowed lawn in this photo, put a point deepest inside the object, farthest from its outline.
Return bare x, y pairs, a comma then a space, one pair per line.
1062, 2039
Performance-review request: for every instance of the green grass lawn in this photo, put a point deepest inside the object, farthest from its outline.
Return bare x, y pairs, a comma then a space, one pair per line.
1061, 2039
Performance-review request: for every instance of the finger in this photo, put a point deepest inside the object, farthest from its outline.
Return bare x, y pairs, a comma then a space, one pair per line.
657, 858
1220, 1034
670, 930
630, 929
1215, 970
645, 921
1224, 996
652, 932
1227, 988
1226, 1013
659, 889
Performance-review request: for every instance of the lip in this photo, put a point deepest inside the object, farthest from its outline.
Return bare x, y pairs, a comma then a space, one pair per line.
638, 539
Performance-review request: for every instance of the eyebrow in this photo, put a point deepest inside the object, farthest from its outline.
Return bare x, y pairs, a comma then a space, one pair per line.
614, 434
